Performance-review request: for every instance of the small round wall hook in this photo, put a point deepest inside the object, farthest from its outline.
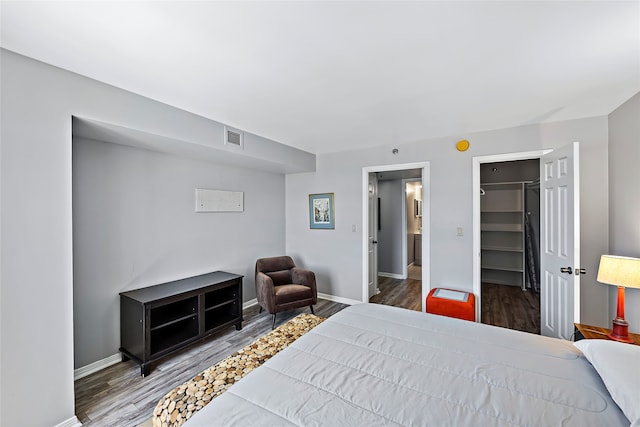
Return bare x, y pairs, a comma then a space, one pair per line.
394, 151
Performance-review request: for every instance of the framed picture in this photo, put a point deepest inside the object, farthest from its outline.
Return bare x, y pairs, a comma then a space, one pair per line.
321, 213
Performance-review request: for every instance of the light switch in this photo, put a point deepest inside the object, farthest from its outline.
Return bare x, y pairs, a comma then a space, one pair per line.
459, 232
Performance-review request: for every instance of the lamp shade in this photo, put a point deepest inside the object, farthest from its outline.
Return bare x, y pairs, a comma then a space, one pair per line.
619, 271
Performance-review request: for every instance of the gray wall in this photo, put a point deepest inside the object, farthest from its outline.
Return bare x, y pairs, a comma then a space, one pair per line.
624, 198
36, 315
390, 234
134, 225
450, 205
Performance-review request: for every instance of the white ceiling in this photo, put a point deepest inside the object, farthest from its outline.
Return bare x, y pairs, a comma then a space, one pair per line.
332, 76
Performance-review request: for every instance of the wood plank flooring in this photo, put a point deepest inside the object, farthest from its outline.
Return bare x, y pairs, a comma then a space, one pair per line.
119, 396
511, 307
405, 293
502, 305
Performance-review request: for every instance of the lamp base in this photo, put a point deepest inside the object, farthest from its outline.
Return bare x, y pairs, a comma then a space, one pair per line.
620, 331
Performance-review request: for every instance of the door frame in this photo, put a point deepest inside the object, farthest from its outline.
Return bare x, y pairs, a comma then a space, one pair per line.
476, 162
426, 223
371, 231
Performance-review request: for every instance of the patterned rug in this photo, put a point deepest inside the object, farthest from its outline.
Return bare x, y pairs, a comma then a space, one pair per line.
177, 406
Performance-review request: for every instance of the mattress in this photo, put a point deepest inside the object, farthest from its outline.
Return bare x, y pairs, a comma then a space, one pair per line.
377, 365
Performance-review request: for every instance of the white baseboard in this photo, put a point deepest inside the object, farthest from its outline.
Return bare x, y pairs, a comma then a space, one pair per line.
328, 297
71, 422
391, 275
96, 366
338, 299
249, 303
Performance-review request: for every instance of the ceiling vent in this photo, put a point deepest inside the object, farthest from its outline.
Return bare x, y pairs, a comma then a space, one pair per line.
233, 137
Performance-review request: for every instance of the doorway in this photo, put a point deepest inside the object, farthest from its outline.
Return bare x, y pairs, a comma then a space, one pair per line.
378, 221
559, 235
510, 244
399, 237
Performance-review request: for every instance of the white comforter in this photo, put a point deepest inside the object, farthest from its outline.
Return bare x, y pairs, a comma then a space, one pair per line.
377, 365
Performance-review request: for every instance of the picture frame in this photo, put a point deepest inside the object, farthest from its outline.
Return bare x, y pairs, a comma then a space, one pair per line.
321, 211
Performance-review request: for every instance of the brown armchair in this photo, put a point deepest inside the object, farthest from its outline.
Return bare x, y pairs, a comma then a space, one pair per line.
281, 286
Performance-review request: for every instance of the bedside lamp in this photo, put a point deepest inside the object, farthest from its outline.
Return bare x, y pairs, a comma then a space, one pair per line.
623, 272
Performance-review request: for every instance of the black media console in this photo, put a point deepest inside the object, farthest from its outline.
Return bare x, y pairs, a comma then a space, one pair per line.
161, 319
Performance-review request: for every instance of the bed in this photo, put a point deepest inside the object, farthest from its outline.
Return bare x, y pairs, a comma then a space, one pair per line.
377, 365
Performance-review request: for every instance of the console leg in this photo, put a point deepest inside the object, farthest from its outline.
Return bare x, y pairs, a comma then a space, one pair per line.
145, 369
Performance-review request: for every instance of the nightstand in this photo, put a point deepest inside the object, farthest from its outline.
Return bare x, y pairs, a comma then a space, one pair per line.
595, 332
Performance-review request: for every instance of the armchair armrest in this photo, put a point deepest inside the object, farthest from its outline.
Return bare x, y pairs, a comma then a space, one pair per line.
305, 277
264, 291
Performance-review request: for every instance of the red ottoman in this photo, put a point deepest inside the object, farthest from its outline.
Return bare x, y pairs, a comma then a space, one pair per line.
452, 303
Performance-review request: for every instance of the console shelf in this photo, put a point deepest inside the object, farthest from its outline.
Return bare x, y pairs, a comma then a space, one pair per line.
158, 320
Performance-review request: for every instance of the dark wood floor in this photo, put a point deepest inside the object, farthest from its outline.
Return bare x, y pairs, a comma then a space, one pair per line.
502, 305
119, 396
511, 307
406, 293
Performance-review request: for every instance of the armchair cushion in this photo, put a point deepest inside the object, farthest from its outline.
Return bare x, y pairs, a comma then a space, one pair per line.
289, 293
282, 277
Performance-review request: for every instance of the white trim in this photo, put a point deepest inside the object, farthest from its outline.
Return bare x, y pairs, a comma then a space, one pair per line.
475, 192
425, 265
71, 422
338, 299
96, 366
249, 303
426, 223
391, 275
577, 255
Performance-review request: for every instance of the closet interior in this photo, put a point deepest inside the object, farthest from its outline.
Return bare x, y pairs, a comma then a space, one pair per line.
510, 223
510, 230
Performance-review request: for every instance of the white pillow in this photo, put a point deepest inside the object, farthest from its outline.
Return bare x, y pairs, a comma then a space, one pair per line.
618, 364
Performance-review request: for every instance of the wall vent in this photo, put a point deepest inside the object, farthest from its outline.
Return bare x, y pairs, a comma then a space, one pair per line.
233, 137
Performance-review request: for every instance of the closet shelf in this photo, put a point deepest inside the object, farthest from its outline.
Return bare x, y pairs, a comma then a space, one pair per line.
503, 268
502, 248
502, 226
516, 228
502, 211
505, 184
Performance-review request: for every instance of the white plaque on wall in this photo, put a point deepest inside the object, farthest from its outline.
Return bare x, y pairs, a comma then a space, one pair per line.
219, 200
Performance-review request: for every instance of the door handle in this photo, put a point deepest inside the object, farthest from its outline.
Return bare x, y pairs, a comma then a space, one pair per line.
375, 242
567, 270
579, 271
